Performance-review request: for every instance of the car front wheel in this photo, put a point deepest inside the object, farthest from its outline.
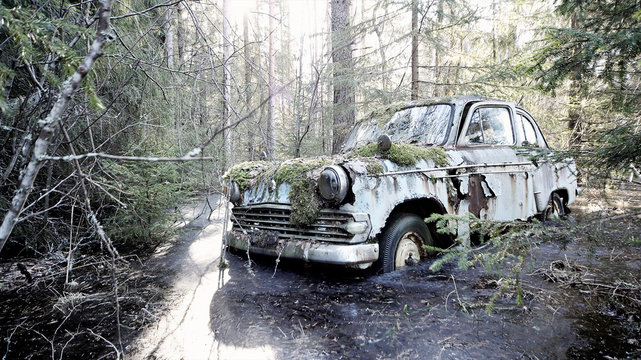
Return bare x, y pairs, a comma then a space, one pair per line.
401, 241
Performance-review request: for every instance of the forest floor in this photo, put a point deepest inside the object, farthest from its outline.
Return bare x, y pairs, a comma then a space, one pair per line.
582, 299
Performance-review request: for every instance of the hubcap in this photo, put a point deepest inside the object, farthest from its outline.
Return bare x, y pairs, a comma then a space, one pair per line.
407, 250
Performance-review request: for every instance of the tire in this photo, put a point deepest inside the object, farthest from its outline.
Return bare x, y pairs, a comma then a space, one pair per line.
555, 210
400, 242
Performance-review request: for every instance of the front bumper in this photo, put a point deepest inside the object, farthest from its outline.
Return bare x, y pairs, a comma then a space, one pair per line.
361, 255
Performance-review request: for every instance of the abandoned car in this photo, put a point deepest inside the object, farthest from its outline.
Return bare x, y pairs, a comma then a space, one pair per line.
368, 205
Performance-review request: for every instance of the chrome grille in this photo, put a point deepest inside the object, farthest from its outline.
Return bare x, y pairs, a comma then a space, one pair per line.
329, 226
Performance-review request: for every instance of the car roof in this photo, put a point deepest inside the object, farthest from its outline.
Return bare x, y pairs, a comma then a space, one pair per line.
385, 112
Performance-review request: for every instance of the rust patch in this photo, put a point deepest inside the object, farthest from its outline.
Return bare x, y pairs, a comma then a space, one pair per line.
454, 195
476, 195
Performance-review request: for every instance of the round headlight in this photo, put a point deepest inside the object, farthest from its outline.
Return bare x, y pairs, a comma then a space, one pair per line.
233, 192
333, 184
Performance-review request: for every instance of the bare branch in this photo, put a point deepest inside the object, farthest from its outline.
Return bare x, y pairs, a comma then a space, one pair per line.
127, 158
172, 3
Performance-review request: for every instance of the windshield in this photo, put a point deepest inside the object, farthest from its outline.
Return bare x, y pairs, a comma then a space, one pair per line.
420, 124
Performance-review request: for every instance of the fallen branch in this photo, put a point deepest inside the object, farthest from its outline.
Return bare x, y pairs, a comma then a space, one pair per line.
636, 213
190, 156
126, 158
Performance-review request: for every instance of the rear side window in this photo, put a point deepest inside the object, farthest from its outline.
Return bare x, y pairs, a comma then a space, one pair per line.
491, 126
528, 131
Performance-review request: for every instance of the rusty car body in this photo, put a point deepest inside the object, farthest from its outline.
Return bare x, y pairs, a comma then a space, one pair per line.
367, 206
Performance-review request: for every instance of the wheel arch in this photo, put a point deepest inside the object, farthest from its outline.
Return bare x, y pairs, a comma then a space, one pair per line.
563, 193
423, 207
565, 197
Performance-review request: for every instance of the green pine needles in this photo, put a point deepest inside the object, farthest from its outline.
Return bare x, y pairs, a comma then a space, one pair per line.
503, 249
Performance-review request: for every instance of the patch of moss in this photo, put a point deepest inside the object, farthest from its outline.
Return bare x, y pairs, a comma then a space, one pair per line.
368, 150
374, 168
247, 171
303, 196
305, 203
382, 114
405, 154
292, 170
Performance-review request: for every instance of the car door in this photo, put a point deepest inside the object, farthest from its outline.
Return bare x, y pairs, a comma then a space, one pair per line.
493, 179
549, 174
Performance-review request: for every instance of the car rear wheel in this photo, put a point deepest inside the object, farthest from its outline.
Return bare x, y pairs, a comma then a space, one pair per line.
400, 242
555, 210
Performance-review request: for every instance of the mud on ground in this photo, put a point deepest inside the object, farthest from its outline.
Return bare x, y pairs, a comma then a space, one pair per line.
49, 310
582, 299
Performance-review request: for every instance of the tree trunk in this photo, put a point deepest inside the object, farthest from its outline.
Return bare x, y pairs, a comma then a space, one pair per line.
575, 125
180, 34
344, 110
414, 50
299, 103
169, 37
494, 41
250, 130
271, 122
227, 82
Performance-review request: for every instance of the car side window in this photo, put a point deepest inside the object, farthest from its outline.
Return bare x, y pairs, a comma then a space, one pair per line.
490, 126
474, 131
528, 131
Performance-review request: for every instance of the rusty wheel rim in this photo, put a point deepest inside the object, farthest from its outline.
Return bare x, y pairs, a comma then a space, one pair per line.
407, 248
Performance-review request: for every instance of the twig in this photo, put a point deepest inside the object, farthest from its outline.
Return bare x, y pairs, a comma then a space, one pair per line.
91, 215
128, 158
107, 341
137, 13
8, 339
278, 260
457, 296
73, 206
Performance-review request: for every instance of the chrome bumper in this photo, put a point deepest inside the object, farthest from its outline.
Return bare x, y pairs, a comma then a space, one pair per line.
361, 255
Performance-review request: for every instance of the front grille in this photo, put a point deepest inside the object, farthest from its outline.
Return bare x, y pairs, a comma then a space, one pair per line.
329, 226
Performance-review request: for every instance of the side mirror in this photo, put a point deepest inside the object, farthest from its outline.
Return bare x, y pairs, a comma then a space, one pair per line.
384, 143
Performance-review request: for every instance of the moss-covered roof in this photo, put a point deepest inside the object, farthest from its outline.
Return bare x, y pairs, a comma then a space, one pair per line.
383, 113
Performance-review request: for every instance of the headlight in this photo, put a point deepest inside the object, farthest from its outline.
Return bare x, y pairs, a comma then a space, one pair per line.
333, 184
233, 192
